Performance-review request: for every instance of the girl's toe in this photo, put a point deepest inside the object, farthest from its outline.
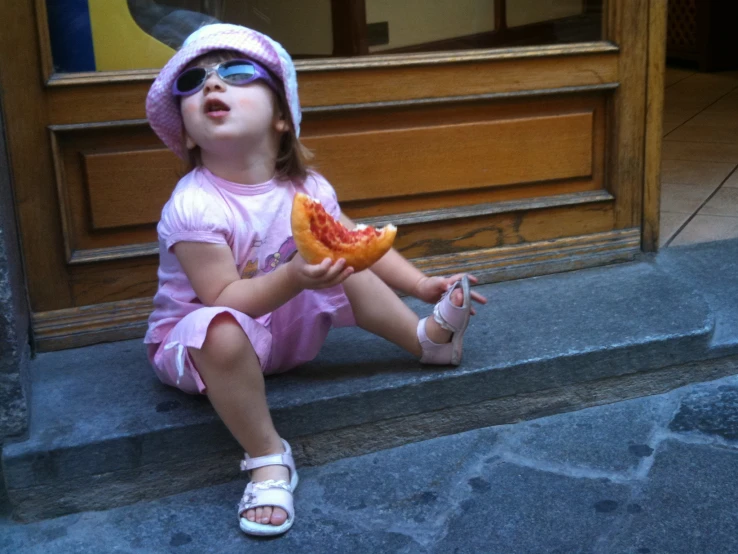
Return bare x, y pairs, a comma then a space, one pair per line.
457, 297
279, 516
266, 515
251, 515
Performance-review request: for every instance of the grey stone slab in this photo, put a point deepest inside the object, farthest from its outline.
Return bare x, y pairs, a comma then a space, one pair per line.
122, 419
711, 410
687, 505
519, 510
410, 490
197, 522
453, 494
711, 269
394, 501
612, 439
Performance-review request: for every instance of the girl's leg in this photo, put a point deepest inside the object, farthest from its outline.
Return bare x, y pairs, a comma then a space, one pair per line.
379, 310
232, 374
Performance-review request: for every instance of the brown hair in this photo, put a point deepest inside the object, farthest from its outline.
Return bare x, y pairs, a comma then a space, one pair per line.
292, 155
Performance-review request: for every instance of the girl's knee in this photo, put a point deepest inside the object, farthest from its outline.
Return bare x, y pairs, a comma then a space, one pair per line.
226, 340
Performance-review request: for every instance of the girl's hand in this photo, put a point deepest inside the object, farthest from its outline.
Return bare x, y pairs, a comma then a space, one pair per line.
430, 289
318, 276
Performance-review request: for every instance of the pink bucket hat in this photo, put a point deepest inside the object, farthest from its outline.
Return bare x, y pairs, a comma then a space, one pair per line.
162, 108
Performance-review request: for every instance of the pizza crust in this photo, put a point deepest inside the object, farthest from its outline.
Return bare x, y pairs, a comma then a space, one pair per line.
318, 236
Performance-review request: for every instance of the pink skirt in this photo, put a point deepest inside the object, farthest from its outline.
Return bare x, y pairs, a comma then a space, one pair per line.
286, 338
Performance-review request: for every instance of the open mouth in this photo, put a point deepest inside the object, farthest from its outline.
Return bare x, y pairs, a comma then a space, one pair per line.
215, 105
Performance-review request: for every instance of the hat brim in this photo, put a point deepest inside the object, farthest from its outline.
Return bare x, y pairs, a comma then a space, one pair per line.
162, 107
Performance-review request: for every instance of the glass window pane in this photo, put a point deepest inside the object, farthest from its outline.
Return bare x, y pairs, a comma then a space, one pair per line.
110, 35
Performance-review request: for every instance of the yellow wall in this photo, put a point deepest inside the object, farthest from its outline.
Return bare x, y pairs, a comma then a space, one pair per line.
119, 43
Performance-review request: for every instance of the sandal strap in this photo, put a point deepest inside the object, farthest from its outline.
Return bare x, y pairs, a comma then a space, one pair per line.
450, 317
267, 493
283, 459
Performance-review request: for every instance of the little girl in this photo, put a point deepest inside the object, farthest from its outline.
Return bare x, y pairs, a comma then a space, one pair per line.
235, 300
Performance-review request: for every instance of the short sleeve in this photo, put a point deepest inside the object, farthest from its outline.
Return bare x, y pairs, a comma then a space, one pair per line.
194, 215
318, 187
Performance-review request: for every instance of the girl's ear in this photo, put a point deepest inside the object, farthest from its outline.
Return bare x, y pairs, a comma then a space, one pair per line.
281, 124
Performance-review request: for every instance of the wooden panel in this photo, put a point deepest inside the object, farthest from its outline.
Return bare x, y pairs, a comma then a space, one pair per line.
379, 83
113, 281
415, 117
118, 202
125, 188
113, 180
389, 208
117, 280
466, 235
75, 327
526, 260
456, 157
501, 76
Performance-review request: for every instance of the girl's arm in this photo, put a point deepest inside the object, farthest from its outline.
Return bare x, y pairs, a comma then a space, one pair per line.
401, 275
214, 277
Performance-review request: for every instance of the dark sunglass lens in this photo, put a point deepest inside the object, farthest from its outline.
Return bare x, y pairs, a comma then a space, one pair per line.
236, 71
191, 79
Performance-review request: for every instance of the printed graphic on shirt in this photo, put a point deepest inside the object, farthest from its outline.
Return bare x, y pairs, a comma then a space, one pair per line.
251, 269
285, 251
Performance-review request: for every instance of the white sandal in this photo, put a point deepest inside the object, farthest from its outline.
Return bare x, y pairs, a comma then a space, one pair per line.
268, 493
452, 318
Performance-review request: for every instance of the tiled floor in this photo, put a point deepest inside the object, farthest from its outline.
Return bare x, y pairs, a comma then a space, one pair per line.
699, 177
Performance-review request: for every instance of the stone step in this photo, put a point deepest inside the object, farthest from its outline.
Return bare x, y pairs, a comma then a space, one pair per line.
104, 432
649, 474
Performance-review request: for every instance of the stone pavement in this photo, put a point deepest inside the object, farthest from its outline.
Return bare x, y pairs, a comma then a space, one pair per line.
654, 475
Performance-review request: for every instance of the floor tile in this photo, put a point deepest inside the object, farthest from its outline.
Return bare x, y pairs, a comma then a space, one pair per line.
669, 224
725, 202
732, 181
708, 127
693, 102
697, 92
675, 74
727, 104
683, 199
674, 118
706, 228
691, 172
700, 151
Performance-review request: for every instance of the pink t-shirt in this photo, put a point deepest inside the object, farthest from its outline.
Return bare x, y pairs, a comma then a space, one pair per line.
253, 220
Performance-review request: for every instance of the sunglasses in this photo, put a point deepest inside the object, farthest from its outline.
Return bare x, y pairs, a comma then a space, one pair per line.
231, 72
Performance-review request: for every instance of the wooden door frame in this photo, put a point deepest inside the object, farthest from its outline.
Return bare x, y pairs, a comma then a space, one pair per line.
657, 17
30, 88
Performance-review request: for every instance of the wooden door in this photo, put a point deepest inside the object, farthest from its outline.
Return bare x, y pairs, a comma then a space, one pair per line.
502, 152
